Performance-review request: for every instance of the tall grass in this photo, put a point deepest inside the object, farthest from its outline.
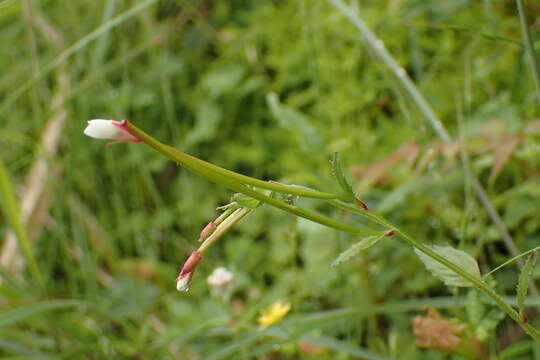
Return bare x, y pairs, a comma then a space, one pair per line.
198, 74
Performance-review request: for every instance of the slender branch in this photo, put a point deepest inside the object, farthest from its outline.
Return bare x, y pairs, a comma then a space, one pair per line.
274, 186
224, 178
230, 180
512, 260
478, 283
224, 227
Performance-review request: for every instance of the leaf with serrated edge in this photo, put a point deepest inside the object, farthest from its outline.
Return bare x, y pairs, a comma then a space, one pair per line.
458, 257
354, 249
340, 176
523, 282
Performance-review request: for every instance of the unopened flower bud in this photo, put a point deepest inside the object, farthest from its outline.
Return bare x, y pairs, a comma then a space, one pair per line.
208, 229
184, 277
110, 129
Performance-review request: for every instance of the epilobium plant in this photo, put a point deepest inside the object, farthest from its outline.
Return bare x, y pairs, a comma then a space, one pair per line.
452, 266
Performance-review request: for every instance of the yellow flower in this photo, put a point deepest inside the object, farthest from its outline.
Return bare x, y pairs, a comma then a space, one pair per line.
273, 314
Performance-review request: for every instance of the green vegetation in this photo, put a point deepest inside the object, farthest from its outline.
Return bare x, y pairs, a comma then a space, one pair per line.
271, 90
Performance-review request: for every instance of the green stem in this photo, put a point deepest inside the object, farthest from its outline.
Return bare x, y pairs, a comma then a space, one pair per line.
478, 283
512, 260
223, 216
529, 45
224, 227
231, 181
224, 178
274, 186
12, 212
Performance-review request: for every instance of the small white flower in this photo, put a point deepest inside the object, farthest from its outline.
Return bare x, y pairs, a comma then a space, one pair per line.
220, 277
109, 129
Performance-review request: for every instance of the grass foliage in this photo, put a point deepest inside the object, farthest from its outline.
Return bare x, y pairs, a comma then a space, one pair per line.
270, 89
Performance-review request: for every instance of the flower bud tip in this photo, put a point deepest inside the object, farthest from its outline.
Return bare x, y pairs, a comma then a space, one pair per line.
110, 129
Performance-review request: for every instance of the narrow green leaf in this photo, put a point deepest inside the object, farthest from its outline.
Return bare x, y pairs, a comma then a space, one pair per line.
475, 307
22, 312
354, 249
337, 170
11, 208
458, 257
524, 278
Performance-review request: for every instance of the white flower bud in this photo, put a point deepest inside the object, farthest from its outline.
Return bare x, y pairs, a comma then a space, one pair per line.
109, 129
182, 283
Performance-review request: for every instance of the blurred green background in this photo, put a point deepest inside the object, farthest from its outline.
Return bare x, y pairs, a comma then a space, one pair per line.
270, 89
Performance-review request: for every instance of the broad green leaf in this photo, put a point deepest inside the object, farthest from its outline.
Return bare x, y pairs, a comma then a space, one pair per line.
353, 250
458, 257
337, 170
523, 282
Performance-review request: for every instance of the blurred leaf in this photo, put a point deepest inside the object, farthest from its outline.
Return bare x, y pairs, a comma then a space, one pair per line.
518, 209
475, 307
128, 297
377, 171
297, 124
489, 323
208, 118
505, 147
222, 80
24, 311
458, 257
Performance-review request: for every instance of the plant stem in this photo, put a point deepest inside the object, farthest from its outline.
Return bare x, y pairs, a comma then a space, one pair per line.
529, 46
225, 178
222, 228
274, 186
377, 47
478, 283
12, 212
512, 260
